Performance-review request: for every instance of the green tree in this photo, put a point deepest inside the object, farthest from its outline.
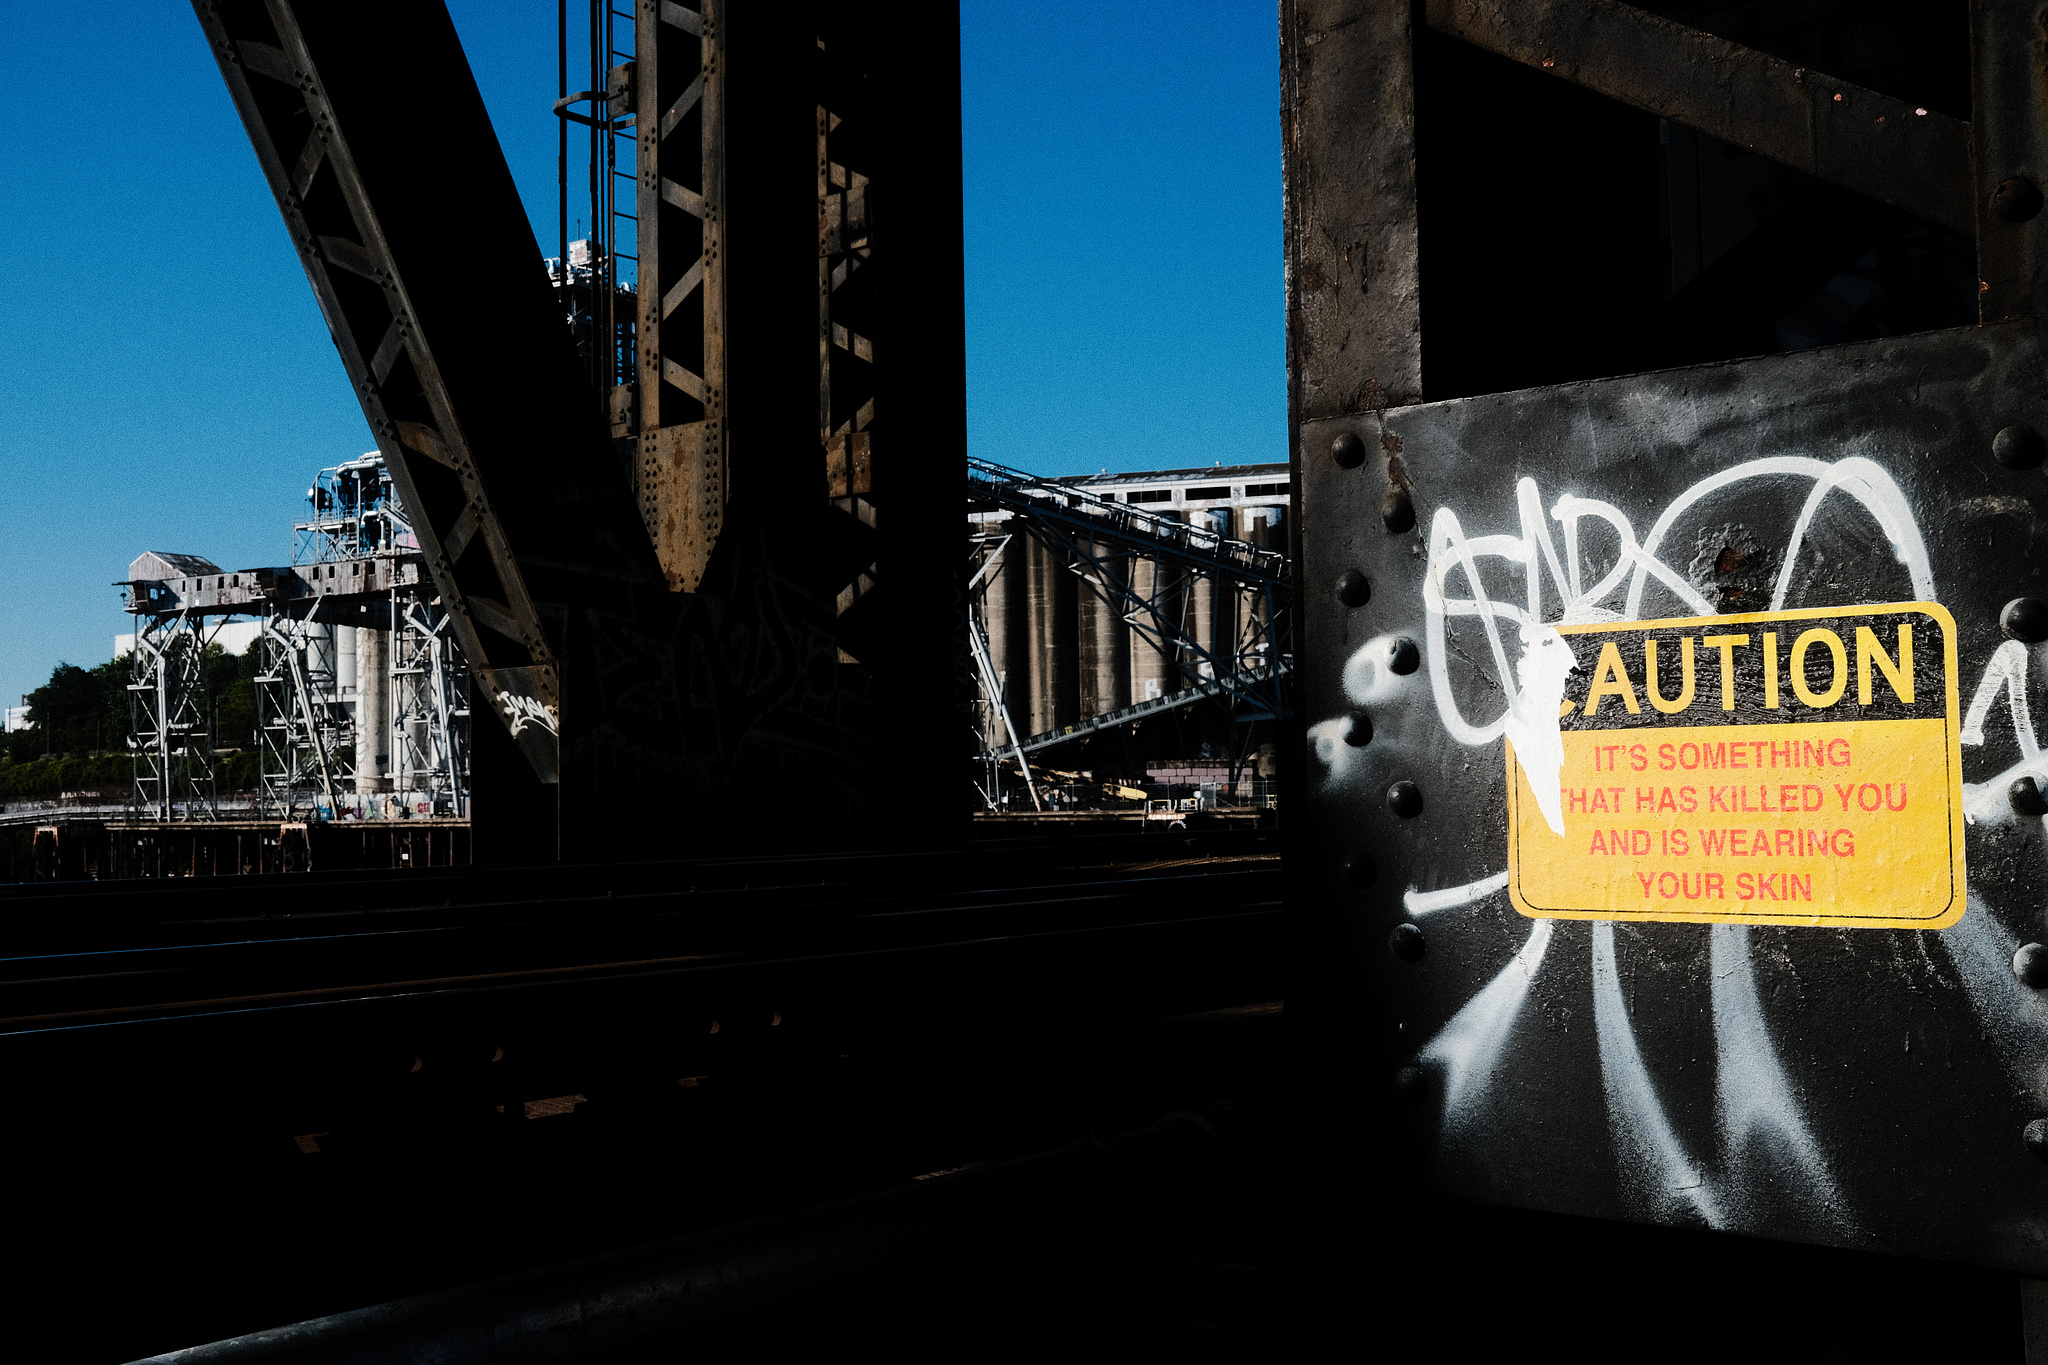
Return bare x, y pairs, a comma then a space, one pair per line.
69, 712
115, 718
231, 685
79, 722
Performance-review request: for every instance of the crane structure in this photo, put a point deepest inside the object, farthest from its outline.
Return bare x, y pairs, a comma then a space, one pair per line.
169, 721
362, 695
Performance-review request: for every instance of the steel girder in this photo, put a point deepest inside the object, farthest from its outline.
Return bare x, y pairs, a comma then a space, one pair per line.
1859, 139
1858, 1088
713, 704
418, 251
680, 94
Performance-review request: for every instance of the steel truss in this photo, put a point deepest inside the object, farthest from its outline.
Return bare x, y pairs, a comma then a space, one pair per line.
311, 737
170, 723
429, 708
308, 734
452, 345
992, 706
1102, 543
334, 153
678, 96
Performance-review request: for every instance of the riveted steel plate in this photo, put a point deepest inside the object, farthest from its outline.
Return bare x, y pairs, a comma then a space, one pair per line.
1861, 1086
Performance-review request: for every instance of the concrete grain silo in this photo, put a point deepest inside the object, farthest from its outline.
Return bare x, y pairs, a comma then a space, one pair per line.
1212, 606
1155, 671
373, 709
1055, 658
1066, 648
1105, 641
1003, 615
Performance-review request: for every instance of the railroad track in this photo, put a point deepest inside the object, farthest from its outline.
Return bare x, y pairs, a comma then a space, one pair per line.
537, 1062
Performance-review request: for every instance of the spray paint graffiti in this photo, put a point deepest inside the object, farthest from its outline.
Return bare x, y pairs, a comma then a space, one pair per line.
520, 712
1674, 1170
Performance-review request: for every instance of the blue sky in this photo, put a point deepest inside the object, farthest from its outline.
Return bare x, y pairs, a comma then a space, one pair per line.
166, 382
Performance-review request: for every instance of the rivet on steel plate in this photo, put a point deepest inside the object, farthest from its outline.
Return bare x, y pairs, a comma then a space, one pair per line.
2027, 797
2035, 1135
1359, 870
1358, 733
1397, 511
1353, 589
1406, 942
2019, 446
1405, 800
2016, 200
1403, 656
2025, 619
2030, 965
1348, 451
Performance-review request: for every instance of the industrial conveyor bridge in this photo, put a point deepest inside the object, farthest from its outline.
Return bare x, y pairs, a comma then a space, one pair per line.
1104, 542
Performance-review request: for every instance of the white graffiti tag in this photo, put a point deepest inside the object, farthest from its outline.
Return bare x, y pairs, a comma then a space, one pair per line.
520, 712
1759, 1116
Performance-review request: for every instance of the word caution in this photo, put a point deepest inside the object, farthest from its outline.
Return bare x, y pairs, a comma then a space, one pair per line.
1777, 768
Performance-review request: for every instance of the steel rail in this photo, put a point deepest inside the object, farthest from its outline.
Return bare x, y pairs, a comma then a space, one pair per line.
585, 942
594, 1308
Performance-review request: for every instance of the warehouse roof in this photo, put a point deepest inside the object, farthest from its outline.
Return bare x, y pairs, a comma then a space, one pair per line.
154, 566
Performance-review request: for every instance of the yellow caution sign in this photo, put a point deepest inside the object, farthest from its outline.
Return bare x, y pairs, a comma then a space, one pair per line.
1792, 767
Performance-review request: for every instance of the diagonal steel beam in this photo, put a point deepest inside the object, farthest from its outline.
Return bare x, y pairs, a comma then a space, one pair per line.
1905, 155
419, 253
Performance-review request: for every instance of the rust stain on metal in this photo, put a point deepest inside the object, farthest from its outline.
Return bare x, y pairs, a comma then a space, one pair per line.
554, 1106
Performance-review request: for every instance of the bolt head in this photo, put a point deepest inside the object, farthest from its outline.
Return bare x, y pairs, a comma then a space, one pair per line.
2025, 619
2030, 965
1348, 451
2027, 797
2035, 1135
2016, 200
1358, 733
1404, 799
2019, 446
1403, 656
1359, 870
1397, 511
1406, 942
1353, 588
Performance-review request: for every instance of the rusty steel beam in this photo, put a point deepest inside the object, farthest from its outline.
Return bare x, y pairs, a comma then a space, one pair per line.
680, 474
1354, 311
710, 624
2009, 157
418, 252
1905, 155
